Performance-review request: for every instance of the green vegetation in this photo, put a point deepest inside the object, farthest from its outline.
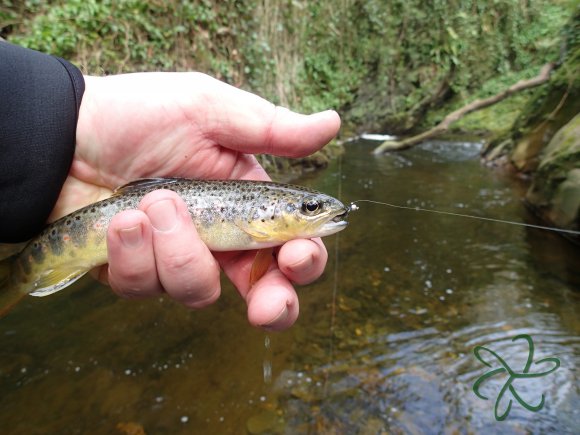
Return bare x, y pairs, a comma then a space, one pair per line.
385, 65
454, 52
547, 108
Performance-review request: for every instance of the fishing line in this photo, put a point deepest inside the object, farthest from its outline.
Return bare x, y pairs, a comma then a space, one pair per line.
353, 206
334, 286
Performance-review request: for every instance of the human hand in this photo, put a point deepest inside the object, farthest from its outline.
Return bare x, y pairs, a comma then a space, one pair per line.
187, 125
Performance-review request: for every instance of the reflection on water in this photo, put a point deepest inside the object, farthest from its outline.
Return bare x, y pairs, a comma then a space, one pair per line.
415, 294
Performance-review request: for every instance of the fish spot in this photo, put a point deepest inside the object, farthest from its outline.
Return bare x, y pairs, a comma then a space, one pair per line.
37, 254
25, 263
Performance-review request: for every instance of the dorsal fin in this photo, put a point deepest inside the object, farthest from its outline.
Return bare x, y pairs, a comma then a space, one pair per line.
144, 182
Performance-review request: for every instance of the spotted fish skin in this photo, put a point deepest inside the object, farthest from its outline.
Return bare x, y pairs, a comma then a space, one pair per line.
228, 215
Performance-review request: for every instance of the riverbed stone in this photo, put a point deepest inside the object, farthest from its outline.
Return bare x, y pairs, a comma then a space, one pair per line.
266, 421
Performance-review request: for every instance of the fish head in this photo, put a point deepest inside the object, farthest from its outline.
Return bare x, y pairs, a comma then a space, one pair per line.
293, 212
318, 215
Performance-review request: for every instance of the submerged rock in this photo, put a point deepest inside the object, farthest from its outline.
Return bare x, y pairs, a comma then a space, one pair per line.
555, 191
267, 421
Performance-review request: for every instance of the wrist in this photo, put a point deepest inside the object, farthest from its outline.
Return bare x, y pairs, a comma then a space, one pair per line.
86, 112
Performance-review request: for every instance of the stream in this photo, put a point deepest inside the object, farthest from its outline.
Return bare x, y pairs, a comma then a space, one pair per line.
384, 343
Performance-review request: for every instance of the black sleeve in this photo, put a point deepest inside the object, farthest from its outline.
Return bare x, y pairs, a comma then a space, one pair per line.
40, 96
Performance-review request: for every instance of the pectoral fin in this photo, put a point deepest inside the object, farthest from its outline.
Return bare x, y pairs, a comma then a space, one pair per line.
55, 280
257, 232
260, 265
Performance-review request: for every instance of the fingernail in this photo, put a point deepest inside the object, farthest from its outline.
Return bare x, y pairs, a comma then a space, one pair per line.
131, 237
325, 112
163, 215
303, 265
273, 324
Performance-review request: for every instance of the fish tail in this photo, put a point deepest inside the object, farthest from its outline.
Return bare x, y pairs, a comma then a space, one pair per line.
10, 294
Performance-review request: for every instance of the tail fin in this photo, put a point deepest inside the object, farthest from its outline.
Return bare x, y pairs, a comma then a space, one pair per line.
9, 293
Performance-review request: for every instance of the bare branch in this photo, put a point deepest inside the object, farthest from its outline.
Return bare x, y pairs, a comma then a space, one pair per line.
475, 105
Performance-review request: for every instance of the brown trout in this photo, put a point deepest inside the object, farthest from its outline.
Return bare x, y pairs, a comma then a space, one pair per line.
228, 214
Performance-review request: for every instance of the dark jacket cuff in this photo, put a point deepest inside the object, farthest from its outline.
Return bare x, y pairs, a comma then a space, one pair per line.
40, 97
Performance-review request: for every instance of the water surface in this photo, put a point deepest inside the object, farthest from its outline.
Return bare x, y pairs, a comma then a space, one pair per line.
384, 342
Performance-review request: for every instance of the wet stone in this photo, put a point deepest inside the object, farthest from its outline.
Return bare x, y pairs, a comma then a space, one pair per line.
266, 421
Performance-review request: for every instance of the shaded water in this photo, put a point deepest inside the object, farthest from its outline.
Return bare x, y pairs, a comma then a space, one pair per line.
387, 346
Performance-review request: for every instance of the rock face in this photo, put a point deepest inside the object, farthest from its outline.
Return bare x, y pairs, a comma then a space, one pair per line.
555, 191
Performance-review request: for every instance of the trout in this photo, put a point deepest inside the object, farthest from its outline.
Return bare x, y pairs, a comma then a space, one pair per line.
228, 215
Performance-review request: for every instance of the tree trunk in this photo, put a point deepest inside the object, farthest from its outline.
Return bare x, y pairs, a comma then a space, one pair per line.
443, 126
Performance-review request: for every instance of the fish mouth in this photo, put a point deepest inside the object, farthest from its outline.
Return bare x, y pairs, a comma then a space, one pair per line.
335, 224
339, 218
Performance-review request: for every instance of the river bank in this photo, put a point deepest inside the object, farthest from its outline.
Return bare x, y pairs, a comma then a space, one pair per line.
534, 134
543, 143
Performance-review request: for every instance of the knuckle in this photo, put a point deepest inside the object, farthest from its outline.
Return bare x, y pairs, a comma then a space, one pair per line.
133, 285
174, 263
129, 275
130, 272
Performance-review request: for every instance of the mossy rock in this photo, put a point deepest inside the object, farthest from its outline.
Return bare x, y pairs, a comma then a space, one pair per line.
555, 191
532, 134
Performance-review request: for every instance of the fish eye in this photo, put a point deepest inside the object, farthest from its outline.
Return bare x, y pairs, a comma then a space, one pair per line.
311, 206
